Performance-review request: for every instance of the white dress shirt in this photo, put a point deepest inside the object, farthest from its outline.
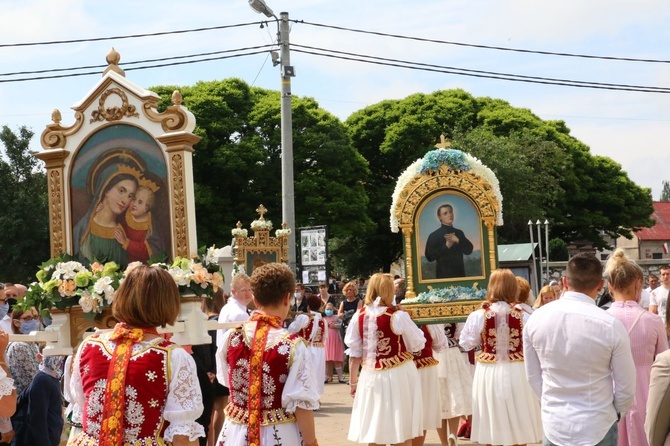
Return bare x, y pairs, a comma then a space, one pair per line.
579, 362
645, 298
6, 324
232, 311
659, 297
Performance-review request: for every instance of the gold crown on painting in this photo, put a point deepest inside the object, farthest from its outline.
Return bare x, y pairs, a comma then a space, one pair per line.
124, 168
149, 184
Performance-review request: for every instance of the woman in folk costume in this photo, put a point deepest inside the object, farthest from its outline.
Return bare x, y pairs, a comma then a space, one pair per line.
426, 364
312, 329
647, 335
133, 386
504, 407
268, 371
382, 337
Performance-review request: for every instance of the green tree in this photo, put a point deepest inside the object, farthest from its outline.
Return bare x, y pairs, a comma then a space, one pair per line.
665, 193
237, 165
544, 172
24, 220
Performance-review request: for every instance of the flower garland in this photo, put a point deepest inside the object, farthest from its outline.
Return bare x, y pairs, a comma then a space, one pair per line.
282, 232
447, 294
239, 232
63, 282
455, 160
261, 225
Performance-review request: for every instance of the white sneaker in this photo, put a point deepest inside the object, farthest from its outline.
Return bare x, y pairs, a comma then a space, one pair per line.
453, 440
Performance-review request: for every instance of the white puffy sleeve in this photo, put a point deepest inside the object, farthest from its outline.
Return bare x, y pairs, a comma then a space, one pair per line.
471, 336
184, 400
353, 339
412, 335
6, 383
440, 341
77, 397
300, 389
301, 321
221, 362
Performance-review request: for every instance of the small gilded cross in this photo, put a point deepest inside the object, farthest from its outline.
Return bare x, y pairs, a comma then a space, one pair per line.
444, 143
261, 211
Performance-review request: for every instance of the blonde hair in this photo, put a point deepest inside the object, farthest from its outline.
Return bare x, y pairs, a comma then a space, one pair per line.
502, 286
148, 297
351, 284
524, 290
380, 285
547, 289
622, 272
238, 280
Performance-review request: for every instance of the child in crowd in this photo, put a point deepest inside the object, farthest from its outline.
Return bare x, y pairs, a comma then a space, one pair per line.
426, 364
334, 345
137, 225
455, 386
268, 370
387, 408
312, 329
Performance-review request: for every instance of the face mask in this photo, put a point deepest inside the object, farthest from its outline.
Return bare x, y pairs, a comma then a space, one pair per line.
297, 295
28, 326
3, 310
329, 312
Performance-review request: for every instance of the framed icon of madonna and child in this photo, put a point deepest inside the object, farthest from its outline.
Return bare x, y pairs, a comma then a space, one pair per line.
449, 238
119, 198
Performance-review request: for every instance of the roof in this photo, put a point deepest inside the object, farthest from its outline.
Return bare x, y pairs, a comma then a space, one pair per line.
518, 252
661, 230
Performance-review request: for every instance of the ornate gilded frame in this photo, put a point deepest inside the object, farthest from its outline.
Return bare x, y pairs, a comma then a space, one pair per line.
421, 188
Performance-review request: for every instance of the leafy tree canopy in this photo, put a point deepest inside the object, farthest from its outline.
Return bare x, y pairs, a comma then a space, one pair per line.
24, 221
237, 165
543, 171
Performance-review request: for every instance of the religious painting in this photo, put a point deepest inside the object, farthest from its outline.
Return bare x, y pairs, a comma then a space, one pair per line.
258, 259
119, 198
449, 238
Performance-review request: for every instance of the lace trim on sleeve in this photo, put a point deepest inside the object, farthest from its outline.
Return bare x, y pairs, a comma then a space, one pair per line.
184, 401
300, 389
6, 386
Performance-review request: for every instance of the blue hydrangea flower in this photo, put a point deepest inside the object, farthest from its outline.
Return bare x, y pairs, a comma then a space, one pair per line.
454, 159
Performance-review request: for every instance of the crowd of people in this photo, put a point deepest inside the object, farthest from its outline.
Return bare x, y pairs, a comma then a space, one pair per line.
556, 369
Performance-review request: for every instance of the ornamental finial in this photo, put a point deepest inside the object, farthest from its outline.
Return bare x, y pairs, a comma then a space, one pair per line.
444, 142
261, 211
177, 98
113, 59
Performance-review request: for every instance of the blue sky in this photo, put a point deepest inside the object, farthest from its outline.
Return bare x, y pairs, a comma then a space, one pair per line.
632, 128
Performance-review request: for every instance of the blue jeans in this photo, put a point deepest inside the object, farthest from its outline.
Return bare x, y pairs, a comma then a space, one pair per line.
611, 438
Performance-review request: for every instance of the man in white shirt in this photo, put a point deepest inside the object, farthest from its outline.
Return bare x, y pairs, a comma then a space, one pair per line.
235, 309
652, 281
658, 300
578, 361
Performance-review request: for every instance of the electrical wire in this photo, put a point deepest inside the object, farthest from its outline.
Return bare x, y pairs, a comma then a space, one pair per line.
487, 47
56, 70
475, 73
128, 36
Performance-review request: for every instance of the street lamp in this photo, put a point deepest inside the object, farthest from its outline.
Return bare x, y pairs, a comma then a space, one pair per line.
287, 72
539, 224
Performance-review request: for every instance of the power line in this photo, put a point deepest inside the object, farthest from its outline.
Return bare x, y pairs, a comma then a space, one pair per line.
488, 47
129, 36
87, 67
480, 73
446, 70
58, 76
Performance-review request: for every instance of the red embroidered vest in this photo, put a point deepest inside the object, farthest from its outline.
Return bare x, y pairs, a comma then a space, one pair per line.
391, 351
515, 350
147, 384
306, 333
277, 359
425, 357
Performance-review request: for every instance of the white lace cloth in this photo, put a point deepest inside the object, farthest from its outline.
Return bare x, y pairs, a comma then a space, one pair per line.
6, 383
184, 400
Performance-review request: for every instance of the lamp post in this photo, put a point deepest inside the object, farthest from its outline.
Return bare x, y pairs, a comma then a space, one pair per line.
287, 72
539, 224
